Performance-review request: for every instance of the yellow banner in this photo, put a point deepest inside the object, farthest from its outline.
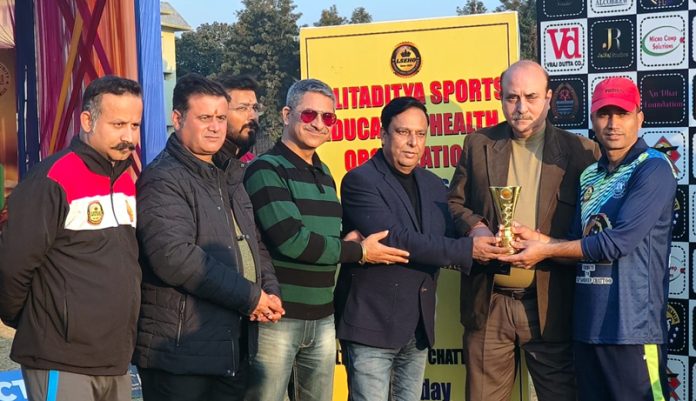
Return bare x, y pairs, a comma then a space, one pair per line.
453, 65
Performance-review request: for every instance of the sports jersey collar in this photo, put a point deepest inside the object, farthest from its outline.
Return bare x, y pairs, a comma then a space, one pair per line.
639, 147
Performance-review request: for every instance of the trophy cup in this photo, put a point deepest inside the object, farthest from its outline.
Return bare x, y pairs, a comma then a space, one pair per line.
505, 201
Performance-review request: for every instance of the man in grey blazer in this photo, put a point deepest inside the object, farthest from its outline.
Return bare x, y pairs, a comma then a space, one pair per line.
527, 310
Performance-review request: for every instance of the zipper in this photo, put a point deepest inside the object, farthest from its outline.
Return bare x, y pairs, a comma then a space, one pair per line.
111, 195
182, 308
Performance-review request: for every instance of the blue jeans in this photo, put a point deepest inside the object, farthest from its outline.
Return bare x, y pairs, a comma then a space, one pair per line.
305, 348
375, 372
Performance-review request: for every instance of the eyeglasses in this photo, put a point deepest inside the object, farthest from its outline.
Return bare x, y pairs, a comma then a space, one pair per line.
257, 108
403, 132
309, 115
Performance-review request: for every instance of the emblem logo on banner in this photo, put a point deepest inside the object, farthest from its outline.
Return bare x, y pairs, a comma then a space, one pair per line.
676, 326
662, 41
614, 7
612, 44
564, 47
651, 6
676, 376
679, 232
671, 142
678, 265
405, 60
567, 104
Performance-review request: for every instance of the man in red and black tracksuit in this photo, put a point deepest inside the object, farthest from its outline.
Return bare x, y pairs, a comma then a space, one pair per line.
69, 273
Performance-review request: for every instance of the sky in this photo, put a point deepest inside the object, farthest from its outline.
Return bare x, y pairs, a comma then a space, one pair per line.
197, 12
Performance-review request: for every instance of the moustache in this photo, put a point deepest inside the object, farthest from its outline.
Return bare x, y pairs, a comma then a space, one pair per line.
522, 117
251, 125
124, 145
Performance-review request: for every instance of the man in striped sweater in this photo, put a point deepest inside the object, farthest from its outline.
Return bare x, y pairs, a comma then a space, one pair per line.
299, 215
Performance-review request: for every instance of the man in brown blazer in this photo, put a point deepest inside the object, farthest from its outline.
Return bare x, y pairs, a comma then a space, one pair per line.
527, 310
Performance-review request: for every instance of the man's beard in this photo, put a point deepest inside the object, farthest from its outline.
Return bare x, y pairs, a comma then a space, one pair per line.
245, 143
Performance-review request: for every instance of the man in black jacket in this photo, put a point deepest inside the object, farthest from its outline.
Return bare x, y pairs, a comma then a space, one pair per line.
69, 274
205, 271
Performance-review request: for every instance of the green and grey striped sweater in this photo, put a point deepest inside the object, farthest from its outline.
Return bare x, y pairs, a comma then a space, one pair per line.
299, 215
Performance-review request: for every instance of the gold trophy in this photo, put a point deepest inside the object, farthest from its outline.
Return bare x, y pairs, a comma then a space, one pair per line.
505, 201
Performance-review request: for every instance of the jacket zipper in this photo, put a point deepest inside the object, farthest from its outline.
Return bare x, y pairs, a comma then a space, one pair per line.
182, 308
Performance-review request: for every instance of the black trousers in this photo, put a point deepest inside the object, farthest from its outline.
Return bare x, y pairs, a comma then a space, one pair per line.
159, 385
621, 372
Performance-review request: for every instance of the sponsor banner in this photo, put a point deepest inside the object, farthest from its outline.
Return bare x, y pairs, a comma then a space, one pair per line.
562, 9
692, 97
598, 8
681, 206
677, 328
664, 98
692, 330
677, 377
671, 142
564, 47
651, 6
612, 44
568, 107
662, 41
678, 270
692, 40
692, 214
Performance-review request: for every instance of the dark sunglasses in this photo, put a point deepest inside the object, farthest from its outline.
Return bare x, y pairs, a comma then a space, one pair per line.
309, 115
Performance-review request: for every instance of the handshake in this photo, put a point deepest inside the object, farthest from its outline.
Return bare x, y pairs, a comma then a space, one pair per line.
527, 246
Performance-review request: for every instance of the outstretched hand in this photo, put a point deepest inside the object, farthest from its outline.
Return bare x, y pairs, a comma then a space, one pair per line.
376, 252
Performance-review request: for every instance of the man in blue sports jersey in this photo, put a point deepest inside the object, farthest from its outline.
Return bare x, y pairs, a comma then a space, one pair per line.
622, 236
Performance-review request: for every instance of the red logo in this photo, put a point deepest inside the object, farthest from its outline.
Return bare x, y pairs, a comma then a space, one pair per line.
565, 42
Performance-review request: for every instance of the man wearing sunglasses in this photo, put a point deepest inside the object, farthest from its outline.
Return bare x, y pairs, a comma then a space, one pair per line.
242, 117
385, 315
298, 212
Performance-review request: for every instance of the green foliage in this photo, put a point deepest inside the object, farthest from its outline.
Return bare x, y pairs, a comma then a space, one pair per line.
526, 12
360, 16
472, 7
329, 17
202, 50
264, 45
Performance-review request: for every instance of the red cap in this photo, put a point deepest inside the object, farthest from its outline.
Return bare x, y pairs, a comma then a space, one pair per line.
616, 91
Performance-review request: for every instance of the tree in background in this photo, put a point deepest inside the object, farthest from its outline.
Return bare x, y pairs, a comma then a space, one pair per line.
202, 50
360, 16
329, 17
472, 7
526, 11
264, 44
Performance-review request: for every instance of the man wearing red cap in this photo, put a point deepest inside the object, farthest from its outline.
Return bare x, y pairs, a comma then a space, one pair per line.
622, 237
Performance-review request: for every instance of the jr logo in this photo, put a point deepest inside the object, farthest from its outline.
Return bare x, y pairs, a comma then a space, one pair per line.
568, 46
612, 43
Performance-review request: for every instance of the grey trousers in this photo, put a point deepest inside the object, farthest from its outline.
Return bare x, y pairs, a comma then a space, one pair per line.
513, 327
54, 385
